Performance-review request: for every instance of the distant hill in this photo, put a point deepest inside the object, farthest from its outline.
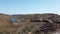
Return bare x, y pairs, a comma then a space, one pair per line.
26, 23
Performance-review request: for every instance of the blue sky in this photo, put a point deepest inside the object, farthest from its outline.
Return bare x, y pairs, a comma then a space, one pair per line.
29, 6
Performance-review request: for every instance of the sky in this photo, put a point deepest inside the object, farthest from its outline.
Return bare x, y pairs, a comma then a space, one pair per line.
29, 6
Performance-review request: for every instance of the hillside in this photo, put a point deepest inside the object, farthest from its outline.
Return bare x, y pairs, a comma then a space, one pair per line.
31, 23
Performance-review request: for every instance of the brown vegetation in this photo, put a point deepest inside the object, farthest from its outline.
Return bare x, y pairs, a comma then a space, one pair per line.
32, 23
